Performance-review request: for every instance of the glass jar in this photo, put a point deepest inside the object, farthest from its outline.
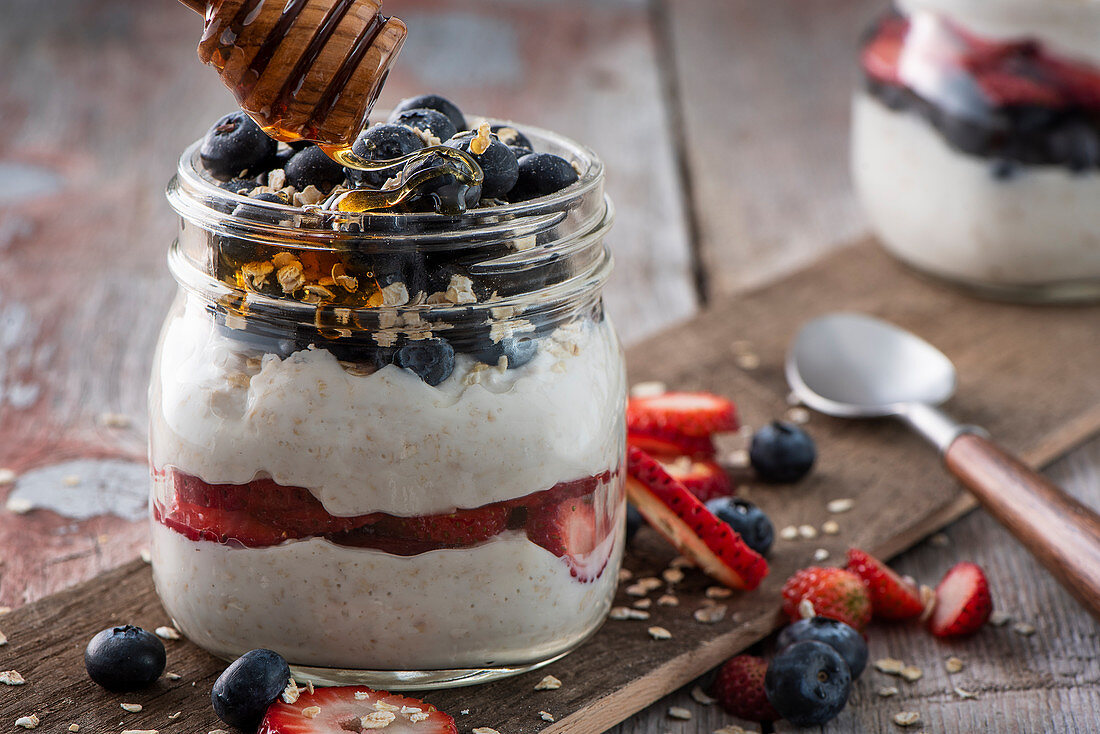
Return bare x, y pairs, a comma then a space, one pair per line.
389, 446
976, 143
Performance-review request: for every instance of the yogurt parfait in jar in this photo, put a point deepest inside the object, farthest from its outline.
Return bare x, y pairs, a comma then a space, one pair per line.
389, 445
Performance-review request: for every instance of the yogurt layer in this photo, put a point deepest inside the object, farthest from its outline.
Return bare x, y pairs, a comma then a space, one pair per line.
505, 602
387, 441
944, 211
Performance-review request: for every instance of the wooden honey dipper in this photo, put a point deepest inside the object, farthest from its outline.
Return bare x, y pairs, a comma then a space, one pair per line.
303, 69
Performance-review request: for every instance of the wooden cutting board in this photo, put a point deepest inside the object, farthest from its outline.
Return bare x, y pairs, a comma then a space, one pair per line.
1028, 374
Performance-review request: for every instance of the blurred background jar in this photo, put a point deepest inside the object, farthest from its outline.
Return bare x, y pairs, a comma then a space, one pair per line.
976, 143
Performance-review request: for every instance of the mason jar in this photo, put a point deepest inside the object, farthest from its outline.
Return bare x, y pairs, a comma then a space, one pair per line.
389, 446
976, 143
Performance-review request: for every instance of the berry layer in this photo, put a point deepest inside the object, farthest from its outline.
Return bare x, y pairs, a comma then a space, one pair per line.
386, 441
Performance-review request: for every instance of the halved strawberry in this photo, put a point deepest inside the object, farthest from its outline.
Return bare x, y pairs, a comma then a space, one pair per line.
698, 414
457, 529
196, 522
705, 479
891, 596
570, 529
665, 442
834, 592
963, 603
344, 709
686, 523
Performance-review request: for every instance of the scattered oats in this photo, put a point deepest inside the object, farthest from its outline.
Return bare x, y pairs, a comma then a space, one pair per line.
276, 178
310, 712
479, 144
668, 600
5, 610
418, 717
11, 678
625, 574
672, 575
145, 555
907, 718
961, 693
546, 716
840, 505
172, 676
460, 290
887, 691
679, 712
7, 476
133, 708
809, 532
643, 604
76, 727
1023, 628
940, 540
114, 420
410, 710
383, 706
309, 687
395, 294
291, 692
682, 562
718, 592
28, 722
167, 633
619, 613
637, 614
806, 609
953, 665
71, 480
659, 633
738, 458
635, 590
464, 712
890, 666
999, 618
911, 673
173, 717
648, 389
928, 599
484, 730
789, 533
19, 505
710, 614
360, 695
732, 729
748, 361
830, 527
377, 720
309, 195
820, 555
700, 697
650, 583
549, 683
290, 277
799, 415
793, 400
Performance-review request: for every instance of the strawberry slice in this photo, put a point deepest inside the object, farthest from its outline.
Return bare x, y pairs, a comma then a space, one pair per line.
665, 442
1004, 88
686, 523
220, 526
963, 603
344, 709
570, 529
891, 596
705, 479
699, 414
452, 530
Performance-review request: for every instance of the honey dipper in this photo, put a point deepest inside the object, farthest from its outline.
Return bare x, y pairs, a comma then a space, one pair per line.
303, 69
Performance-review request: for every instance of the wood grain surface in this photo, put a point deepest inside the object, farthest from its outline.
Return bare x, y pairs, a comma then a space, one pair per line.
899, 491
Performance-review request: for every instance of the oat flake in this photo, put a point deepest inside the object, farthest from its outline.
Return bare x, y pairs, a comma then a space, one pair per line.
29, 722
659, 633
999, 618
887, 691
790, 532
890, 666
907, 718
953, 665
310, 712
668, 600
172, 676
76, 727
965, 694
820, 555
7, 476
133, 708
173, 717
911, 673
830, 527
484, 730
718, 592
679, 712
377, 720
625, 574
546, 716
710, 614
700, 697
672, 575
1023, 628
11, 678
809, 532
549, 683
167, 633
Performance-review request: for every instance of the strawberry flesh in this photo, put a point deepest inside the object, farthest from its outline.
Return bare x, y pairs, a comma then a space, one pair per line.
891, 596
342, 709
571, 529
697, 414
963, 602
667, 443
705, 479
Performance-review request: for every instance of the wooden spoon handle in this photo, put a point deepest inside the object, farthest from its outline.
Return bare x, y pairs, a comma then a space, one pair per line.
1062, 533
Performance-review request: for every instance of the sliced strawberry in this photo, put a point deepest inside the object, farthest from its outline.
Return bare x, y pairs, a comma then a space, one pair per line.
570, 529
664, 442
891, 596
1080, 82
342, 709
686, 523
880, 55
1004, 88
739, 688
834, 592
705, 479
220, 526
452, 530
963, 603
699, 414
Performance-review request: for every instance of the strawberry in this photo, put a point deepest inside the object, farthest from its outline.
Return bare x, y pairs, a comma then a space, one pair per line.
1005, 88
739, 688
341, 709
705, 479
963, 603
834, 592
457, 529
220, 526
665, 442
686, 523
569, 529
891, 597
879, 56
698, 414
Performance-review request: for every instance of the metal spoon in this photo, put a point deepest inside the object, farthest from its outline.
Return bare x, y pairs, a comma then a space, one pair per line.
850, 365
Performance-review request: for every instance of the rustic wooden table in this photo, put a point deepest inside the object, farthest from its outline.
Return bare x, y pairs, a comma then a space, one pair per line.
723, 125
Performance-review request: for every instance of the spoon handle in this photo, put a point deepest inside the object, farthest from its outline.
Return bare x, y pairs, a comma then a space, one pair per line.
1062, 533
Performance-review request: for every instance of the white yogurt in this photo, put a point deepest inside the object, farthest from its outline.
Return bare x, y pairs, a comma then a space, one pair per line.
943, 211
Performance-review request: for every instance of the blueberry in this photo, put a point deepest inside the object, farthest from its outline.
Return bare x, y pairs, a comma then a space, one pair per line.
541, 174
782, 452
124, 658
432, 359
808, 683
312, 166
519, 350
513, 138
388, 268
237, 185
837, 635
427, 120
259, 213
233, 144
497, 162
433, 102
246, 688
443, 193
747, 520
382, 143
634, 522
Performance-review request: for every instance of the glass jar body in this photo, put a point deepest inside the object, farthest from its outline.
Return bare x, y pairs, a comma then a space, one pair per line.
976, 145
320, 492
